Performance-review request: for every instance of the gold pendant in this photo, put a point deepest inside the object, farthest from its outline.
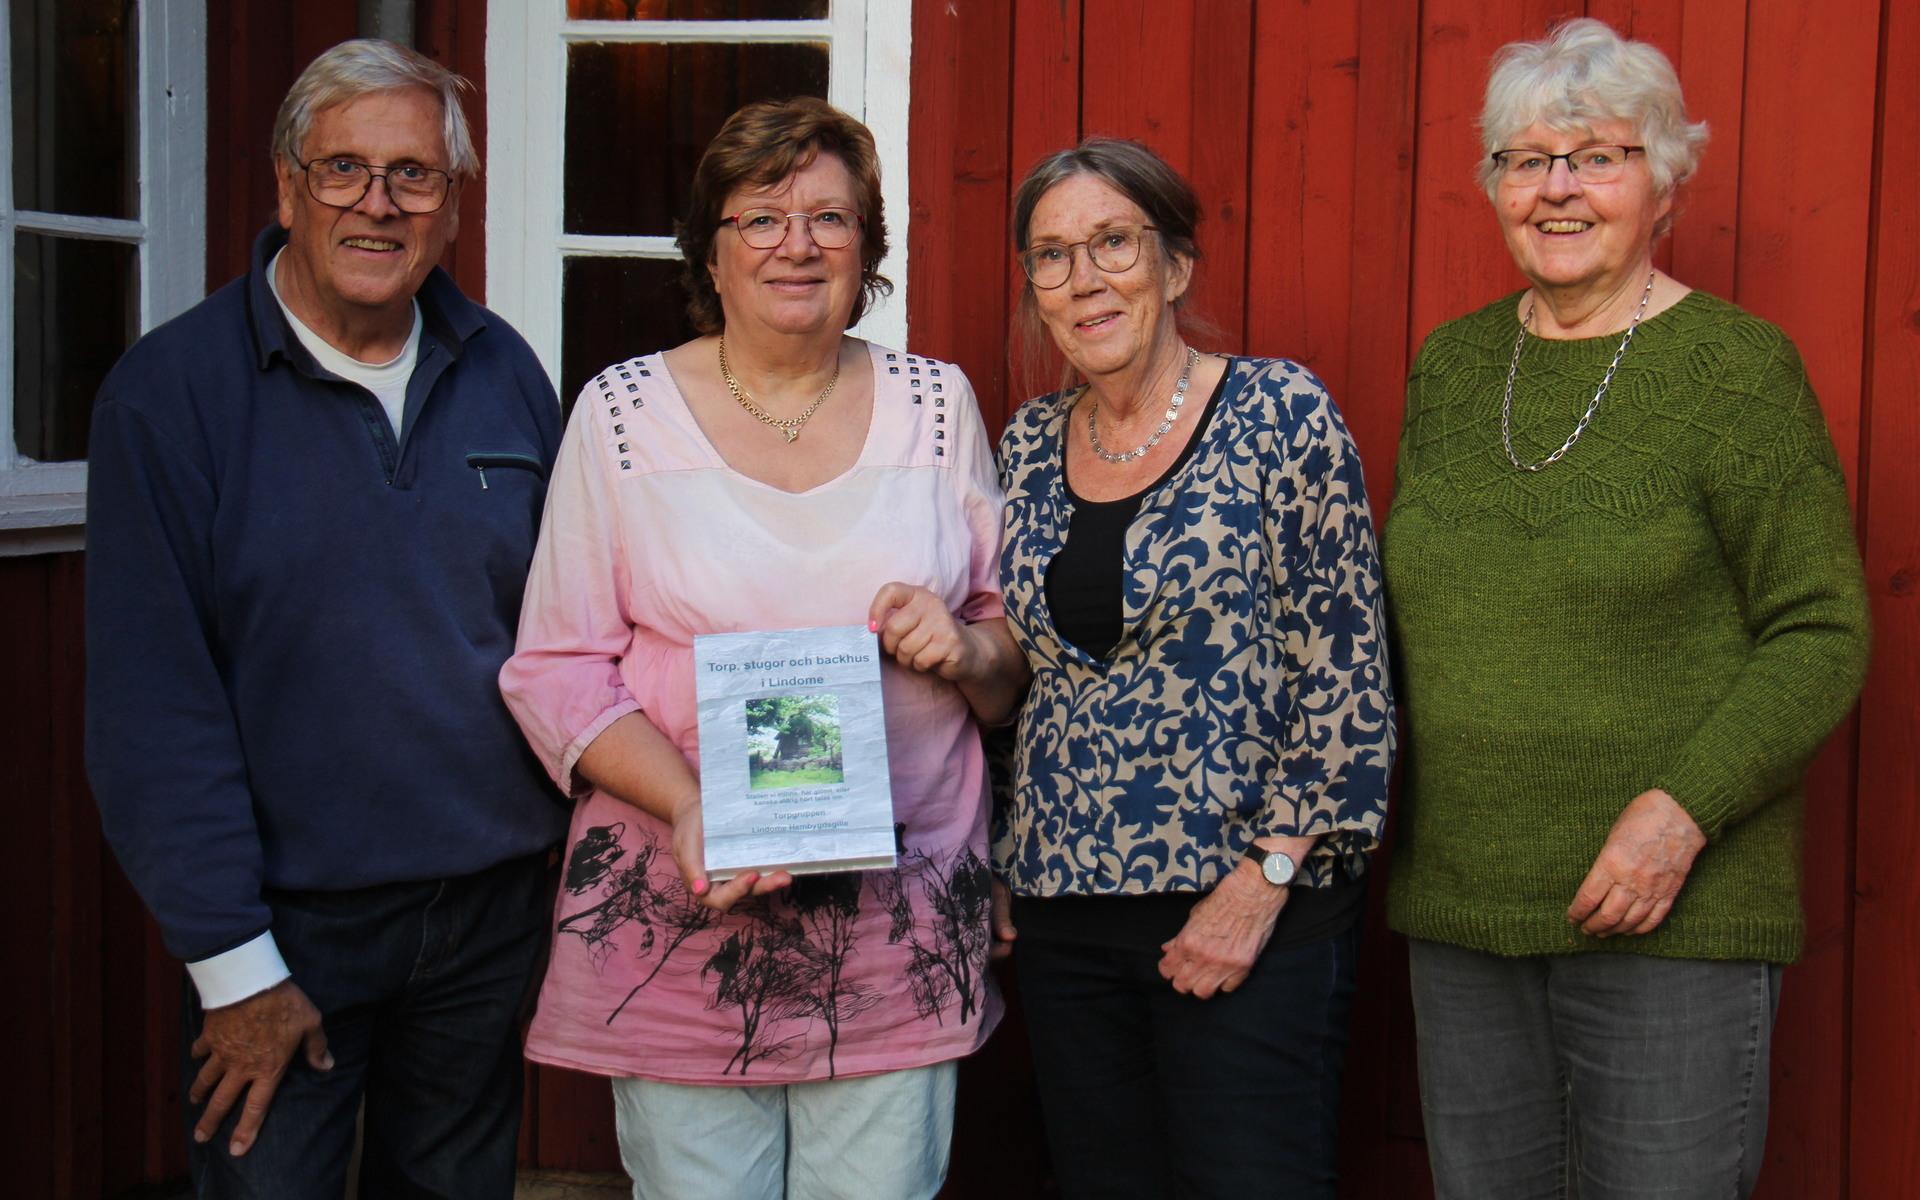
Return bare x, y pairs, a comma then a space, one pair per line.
791, 434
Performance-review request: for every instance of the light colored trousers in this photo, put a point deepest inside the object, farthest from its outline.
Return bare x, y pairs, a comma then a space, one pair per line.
1597, 1076
874, 1137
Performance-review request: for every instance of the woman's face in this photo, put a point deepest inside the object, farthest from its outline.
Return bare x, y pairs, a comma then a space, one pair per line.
1566, 233
797, 287
1105, 324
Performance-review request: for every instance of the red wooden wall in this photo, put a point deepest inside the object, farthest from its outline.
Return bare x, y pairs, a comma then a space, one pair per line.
1332, 143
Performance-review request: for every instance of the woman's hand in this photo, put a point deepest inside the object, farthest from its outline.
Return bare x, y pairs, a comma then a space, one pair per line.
1638, 873
1003, 930
921, 634
1224, 934
916, 628
690, 856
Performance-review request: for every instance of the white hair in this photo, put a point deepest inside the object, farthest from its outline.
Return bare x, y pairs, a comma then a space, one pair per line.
1582, 73
363, 67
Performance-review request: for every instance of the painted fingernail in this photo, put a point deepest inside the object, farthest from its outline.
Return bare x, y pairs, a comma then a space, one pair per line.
699, 887
873, 627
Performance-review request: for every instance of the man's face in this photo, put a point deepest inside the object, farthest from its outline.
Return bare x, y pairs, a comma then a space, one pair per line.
367, 261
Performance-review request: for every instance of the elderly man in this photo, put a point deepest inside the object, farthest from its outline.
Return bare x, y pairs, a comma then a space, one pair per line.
313, 501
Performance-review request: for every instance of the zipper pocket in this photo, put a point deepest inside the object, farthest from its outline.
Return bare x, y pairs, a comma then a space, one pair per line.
480, 460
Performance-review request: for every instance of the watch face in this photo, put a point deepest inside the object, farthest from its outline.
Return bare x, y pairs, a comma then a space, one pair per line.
1277, 868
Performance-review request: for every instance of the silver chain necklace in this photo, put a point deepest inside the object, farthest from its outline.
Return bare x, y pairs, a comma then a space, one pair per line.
1173, 414
1513, 369
787, 425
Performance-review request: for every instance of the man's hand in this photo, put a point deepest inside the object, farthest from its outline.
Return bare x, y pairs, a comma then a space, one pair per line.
248, 1047
1638, 873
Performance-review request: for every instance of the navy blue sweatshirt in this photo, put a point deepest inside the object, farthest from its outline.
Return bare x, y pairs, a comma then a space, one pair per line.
295, 620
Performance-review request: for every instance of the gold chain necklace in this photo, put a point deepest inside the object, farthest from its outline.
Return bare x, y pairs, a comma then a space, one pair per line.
787, 425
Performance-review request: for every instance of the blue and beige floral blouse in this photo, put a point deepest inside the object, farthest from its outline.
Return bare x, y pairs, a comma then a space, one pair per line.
1248, 695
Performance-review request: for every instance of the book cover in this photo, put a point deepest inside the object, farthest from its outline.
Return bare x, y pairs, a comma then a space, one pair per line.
793, 751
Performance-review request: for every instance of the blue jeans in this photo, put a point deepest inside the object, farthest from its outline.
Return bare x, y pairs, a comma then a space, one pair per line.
872, 1136
1599, 1076
1150, 1093
420, 987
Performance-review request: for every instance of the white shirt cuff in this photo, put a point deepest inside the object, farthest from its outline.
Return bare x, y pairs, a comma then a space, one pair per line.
233, 975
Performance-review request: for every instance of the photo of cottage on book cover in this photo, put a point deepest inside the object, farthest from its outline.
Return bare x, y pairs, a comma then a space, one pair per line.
793, 741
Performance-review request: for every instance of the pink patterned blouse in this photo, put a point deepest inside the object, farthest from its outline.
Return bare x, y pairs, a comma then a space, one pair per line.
649, 539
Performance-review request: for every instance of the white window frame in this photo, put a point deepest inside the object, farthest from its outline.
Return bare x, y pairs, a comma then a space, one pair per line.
869, 51
43, 505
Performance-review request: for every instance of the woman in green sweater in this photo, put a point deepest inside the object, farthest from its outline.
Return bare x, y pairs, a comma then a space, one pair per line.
1628, 605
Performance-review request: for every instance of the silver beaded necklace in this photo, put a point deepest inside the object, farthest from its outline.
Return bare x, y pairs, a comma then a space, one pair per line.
1513, 370
1166, 423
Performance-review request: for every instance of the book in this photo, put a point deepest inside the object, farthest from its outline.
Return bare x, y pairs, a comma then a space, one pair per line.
793, 751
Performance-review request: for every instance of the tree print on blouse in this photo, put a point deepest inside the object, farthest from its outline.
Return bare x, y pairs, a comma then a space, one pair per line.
949, 950
779, 965
660, 910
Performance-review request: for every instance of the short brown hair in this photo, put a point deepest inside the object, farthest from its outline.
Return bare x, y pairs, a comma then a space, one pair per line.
762, 144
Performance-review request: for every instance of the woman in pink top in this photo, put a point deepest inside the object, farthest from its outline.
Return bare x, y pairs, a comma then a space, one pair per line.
769, 1035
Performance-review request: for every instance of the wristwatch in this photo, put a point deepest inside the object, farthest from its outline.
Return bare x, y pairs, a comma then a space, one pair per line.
1275, 867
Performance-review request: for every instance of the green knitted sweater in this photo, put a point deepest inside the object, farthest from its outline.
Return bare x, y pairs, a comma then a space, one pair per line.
1677, 603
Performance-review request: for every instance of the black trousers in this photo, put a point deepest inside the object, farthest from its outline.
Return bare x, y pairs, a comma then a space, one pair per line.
420, 988
1150, 1093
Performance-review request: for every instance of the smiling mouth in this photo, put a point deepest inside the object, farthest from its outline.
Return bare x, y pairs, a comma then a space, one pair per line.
1564, 226
1098, 322
364, 243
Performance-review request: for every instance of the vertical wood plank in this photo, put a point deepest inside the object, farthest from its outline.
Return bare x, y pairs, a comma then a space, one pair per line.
1459, 259
958, 163
1176, 76
1305, 144
1802, 263
1884, 1156
1712, 63
29, 1055
74, 967
1045, 116
454, 34
1379, 306
574, 1130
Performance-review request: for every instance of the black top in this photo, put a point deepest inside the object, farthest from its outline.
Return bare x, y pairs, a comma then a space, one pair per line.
1084, 594
1083, 580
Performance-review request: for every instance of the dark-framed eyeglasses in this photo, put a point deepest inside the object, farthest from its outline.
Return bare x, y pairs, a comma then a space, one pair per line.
1589, 164
343, 183
1114, 249
765, 228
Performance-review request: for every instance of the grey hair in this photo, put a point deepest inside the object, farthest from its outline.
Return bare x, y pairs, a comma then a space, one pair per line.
1581, 73
363, 67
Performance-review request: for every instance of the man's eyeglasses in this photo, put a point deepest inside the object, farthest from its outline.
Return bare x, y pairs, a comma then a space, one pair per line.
1589, 164
343, 183
765, 228
1113, 250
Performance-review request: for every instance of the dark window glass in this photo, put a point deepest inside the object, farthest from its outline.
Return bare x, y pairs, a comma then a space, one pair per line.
616, 309
75, 310
696, 10
640, 116
73, 72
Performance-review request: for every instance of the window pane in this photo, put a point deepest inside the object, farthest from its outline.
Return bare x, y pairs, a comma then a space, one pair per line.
639, 117
615, 309
75, 310
696, 10
73, 70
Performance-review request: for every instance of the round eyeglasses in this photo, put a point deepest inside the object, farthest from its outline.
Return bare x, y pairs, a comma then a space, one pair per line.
1114, 249
343, 183
1589, 164
765, 228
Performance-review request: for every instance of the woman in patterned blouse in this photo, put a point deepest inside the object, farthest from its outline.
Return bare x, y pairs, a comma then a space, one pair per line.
1201, 767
